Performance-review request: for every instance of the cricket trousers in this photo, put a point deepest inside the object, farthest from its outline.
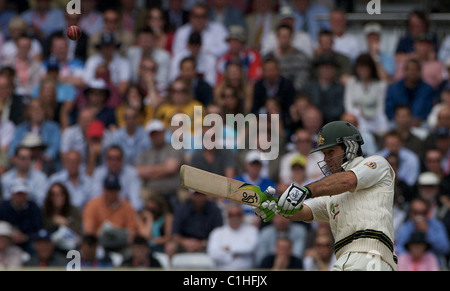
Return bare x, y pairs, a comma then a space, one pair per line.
359, 261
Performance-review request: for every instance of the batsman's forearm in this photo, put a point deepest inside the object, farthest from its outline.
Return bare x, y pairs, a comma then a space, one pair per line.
334, 184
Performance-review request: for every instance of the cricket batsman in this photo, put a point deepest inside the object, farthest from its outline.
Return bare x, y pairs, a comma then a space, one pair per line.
355, 197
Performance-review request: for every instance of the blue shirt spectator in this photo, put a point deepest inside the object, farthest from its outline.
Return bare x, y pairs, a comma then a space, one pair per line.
311, 18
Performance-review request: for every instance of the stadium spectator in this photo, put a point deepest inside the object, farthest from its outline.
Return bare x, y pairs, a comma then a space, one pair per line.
37, 146
22, 169
282, 257
223, 12
233, 245
6, 14
428, 189
444, 102
260, 23
300, 40
175, 14
294, 64
158, 167
135, 98
344, 42
194, 220
281, 227
89, 256
321, 256
200, 89
413, 139
326, 92
418, 257
311, 17
74, 178
11, 256
22, 213
45, 254
7, 129
132, 17
164, 35
114, 164
141, 255
411, 91
13, 104
91, 21
365, 96
43, 19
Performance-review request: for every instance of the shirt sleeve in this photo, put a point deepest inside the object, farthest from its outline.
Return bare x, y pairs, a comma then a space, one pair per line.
318, 207
374, 170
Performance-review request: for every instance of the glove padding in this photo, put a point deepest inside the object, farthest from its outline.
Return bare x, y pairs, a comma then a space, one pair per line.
351, 149
268, 209
292, 200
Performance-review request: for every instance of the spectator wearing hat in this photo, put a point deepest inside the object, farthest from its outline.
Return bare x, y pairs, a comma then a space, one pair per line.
254, 175
22, 169
294, 64
108, 54
326, 92
418, 257
158, 166
114, 164
37, 146
428, 188
131, 137
10, 254
433, 70
205, 62
250, 59
22, 213
297, 172
411, 91
108, 216
434, 230
301, 39
213, 34
45, 255
384, 61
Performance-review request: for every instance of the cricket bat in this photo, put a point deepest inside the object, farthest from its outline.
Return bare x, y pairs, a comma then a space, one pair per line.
220, 186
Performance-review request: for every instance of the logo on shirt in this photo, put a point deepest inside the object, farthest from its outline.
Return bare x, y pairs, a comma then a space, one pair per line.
371, 165
320, 140
334, 210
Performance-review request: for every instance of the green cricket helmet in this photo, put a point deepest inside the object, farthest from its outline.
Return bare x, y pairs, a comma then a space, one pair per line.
338, 133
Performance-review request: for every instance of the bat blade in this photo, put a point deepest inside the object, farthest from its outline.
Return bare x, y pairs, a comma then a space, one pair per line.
220, 186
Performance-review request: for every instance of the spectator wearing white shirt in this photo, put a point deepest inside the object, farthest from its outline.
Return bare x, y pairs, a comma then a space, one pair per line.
214, 34
119, 67
343, 41
233, 245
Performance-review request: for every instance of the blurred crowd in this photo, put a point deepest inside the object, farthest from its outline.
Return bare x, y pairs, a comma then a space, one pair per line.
87, 160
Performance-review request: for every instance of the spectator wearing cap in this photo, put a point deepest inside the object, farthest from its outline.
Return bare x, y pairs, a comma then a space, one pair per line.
223, 12
384, 61
254, 175
45, 255
127, 174
158, 167
294, 64
22, 169
94, 145
205, 62
10, 254
260, 22
109, 212
108, 54
22, 213
213, 34
250, 59
131, 137
433, 70
301, 39
428, 188
418, 257
297, 172
326, 92
411, 91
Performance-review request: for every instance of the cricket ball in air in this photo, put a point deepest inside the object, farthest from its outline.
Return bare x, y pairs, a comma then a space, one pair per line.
73, 32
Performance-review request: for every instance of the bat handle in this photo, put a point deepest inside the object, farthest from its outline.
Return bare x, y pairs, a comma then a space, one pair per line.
269, 194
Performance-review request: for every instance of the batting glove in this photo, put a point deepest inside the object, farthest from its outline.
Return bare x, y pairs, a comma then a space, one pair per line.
292, 199
268, 209
351, 149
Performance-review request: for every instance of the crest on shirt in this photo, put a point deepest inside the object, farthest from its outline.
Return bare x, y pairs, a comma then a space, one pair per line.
371, 165
320, 140
334, 209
